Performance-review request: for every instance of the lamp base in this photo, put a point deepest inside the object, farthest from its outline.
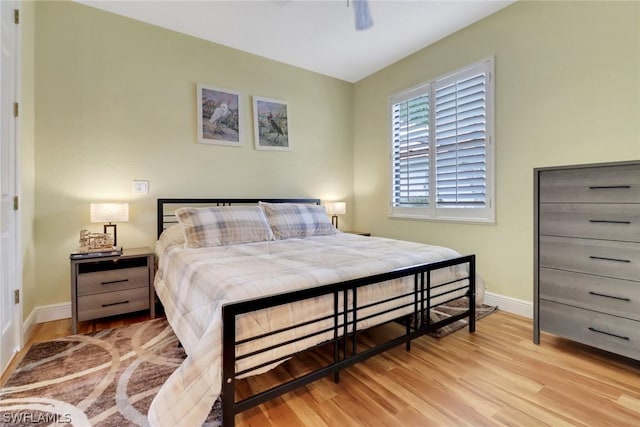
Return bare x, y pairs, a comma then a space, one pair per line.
115, 232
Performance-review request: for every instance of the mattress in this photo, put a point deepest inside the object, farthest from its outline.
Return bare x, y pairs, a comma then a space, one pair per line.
194, 284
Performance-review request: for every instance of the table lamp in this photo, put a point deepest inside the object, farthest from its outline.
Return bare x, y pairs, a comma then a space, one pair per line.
110, 212
334, 209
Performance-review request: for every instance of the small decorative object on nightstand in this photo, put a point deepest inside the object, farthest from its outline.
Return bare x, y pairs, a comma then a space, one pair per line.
111, 285
334, 209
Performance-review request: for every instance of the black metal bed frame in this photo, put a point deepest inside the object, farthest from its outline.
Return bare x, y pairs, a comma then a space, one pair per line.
345, 316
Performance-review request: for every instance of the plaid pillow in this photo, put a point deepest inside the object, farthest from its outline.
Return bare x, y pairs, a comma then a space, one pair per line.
289, 220
226, 225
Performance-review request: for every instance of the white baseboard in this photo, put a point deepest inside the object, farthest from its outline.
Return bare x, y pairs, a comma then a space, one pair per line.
28, 325
48, 313
44, 313
510, 304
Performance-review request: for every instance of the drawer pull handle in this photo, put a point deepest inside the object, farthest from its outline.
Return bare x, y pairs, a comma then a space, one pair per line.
111, 282
609, 333
608, 221
116, 303
609, 259
601, 187
609, 296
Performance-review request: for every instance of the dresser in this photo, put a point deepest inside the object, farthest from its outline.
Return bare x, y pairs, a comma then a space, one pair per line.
587, 255
112, 285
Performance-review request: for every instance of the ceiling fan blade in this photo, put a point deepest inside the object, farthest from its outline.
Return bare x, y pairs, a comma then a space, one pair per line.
362, 14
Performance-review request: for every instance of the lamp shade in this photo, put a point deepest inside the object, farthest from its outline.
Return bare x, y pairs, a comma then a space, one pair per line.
335, 208
109, 212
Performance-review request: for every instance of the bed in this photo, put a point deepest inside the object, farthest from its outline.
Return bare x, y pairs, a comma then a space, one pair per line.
247, 284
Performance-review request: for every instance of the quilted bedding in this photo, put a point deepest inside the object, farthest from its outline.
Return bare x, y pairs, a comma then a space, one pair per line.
193, 284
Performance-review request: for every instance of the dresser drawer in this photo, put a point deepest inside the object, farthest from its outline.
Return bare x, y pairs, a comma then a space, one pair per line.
610, 184
604, 294
595, 221
112, 280
611, 333
112, 303
602, 257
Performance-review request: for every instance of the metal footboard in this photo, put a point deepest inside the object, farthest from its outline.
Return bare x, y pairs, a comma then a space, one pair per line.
345, 317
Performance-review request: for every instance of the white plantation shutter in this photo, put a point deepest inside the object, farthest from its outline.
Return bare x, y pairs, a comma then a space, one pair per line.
411, 151
461, 134
442, 154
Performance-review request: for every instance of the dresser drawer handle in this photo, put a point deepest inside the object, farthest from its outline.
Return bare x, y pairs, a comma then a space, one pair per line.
601, 187
609, 333
609, 296
609, 259
608, 221
111, 282
116, 303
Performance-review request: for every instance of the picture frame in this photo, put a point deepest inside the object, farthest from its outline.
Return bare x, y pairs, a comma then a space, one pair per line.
219, 116
271, 124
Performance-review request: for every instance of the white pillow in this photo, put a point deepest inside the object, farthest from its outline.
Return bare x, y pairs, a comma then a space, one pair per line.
172, 235
288, 220
223, 225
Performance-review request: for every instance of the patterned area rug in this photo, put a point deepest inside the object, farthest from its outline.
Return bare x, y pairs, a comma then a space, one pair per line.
107, 378
110, 377
453, 308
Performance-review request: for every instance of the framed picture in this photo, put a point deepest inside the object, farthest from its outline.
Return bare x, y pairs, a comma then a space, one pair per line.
271, 124
219, 116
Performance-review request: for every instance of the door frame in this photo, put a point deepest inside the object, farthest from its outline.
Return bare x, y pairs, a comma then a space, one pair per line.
16, 241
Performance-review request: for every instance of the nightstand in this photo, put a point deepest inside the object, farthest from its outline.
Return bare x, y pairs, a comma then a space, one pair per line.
111, 285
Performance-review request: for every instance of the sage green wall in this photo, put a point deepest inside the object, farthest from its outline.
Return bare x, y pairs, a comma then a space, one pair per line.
116, 101
567, 92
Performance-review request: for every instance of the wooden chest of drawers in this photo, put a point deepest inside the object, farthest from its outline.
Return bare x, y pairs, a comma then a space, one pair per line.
587, 255
108, 286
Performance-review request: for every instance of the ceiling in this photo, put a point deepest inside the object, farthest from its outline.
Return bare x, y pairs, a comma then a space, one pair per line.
315, 35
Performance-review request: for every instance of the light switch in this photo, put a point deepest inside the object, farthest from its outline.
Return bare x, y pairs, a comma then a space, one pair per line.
140, 187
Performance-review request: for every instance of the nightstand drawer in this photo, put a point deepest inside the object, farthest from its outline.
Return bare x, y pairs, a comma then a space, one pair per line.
610, 184
112, 303
113, 280
611, 333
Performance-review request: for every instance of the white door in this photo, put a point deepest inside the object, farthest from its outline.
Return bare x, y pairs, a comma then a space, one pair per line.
10, 313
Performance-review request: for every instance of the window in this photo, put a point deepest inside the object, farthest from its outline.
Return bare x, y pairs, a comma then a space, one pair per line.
442, 147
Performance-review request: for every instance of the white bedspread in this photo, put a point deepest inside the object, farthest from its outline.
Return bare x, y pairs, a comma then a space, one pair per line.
193, 284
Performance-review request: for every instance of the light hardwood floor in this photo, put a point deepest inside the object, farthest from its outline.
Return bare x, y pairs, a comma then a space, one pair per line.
496, 376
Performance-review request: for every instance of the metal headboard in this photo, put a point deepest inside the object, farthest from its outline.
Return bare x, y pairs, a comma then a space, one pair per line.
166, 207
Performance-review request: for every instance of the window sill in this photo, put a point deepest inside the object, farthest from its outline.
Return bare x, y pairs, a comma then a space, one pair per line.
482, 221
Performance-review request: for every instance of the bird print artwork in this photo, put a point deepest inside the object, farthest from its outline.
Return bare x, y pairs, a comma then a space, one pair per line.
219, 119
272, 127
218, 115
